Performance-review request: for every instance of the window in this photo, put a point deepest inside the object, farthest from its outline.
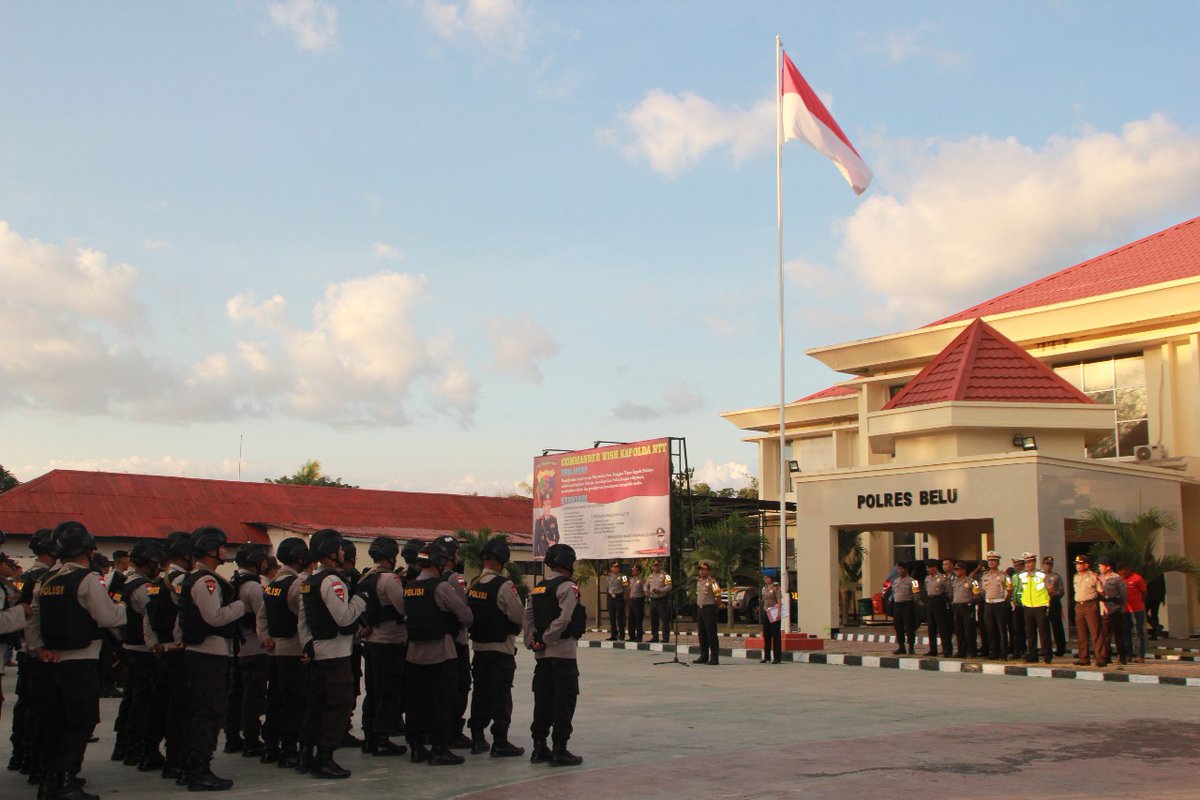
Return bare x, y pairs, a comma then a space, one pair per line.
905, 547
1122, 381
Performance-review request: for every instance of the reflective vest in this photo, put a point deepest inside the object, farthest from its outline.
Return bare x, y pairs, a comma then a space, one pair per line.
1034, 593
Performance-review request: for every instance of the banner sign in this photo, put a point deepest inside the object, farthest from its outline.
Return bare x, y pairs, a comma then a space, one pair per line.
607, 502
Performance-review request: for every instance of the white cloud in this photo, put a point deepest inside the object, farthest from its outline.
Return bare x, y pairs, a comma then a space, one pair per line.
673, 133
518, 344
386, 252
979, 216
270, 313
911, 45
503, 26
730, 474
155, 245
313, 24
676, 400
144, 465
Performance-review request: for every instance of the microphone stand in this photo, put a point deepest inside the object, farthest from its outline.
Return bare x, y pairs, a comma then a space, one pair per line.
675, 625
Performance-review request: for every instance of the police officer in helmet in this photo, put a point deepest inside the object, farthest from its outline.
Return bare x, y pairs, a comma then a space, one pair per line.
148, 559
243, 720
165, 637
497, 610
462, 647
26, 713
384, 646
278, 628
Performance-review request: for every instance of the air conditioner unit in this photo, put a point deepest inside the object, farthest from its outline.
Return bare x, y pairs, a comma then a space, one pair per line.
1150, 452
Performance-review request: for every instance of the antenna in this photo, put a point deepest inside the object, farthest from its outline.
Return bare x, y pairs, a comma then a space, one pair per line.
241, 439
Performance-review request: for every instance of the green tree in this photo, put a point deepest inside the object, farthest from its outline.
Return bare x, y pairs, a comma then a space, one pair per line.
732, 548
1135, 543
585, 572
470, 545
7, 480
516, 574
310, 475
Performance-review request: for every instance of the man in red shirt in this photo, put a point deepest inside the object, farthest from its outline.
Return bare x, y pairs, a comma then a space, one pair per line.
1135, 613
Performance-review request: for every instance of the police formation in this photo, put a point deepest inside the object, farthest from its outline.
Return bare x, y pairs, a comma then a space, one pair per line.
272, 657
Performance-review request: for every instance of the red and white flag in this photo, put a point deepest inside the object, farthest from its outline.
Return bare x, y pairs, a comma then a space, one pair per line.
805, 117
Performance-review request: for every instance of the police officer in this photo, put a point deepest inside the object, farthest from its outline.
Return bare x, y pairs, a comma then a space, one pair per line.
148, 559
964, 594
165, 636
26, 713
553, 622
771, 598
937, 595
658, 587
412, 570
1088, 590
905, 591
1016, 620
70, 608
997, 590
1057, 589
329, 619
497, 613
209, 614
637, 604
1035, 601
278, 627
434, 612
1113, 597
463, 684
616, 587
350, 572
385, 646
247, 700
708, 601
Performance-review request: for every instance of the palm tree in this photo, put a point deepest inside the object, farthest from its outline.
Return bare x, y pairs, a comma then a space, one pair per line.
731, 547
850, 564
1135, 543
585, 571
470, 545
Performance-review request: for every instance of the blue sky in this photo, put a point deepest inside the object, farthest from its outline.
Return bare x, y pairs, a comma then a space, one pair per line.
421, 241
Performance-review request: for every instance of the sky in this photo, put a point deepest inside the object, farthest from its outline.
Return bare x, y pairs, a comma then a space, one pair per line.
422, 240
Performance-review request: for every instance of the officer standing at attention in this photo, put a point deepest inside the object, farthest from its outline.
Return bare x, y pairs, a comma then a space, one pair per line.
26, 713
617, 586
435, 612
964, 596
1113, 596
905, 591
1056, 587
658, 586
409, 552
771, 598
208, 619
637, 604
247, 700
1016, 620
1088, 590
278, 627
70, 608
165, 638
148, 559
1035, 600
385, 645
708, 601
497, 614
937, 592
553, 622
997, 588
462, 648
329, 617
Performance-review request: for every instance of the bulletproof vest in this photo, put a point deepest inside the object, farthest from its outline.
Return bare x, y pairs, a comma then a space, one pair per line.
247, 622
426, 622
281, 622
195, 629
116, 586
377, 611
14, 587
66, 625
133, 631
491, 624
161, 611
27, 581
544, 598
316, 614
412, 573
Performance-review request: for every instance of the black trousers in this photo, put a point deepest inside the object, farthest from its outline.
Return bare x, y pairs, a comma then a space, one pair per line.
208, 683
555, 693
462, 686
491, 701
995, 616
616, 616
660, 618
1016, 633
330, 702
160, 699
964, 629
1056, 626
178, 702
429, 695
941, 625
71, 710
1114, 626
384, 676
247, 697
706, 627
27, 714
121, 721
772, 639
985, 641
270, 728
904, 612
141, 671
1037, 627
290, 679
637, 617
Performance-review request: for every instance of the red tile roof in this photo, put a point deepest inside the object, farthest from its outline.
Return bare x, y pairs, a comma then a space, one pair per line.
982, 365
1168, 255
832, 391
117, 505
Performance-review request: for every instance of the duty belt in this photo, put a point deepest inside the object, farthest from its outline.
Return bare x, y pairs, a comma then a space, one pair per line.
998, 600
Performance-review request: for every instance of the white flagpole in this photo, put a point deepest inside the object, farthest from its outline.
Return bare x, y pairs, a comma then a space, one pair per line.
786, 623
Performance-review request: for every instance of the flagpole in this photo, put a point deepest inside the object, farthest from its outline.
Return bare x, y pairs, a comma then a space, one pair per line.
786, 624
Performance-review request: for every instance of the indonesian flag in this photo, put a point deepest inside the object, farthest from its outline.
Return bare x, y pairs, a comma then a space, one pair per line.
805, 117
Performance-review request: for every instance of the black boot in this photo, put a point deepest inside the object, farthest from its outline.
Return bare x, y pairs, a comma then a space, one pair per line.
65, 786
171, 768
444, 756
305, 761
503, 748
368, 743
14, 763
133, 755
119, 750
562, 757
152, 760
323, 765
185, 772
203, 780
541, 753
479, 743
417, 752
270, 754
253, 748
461, 742
383, 746
350, 740
234, 743
289, 756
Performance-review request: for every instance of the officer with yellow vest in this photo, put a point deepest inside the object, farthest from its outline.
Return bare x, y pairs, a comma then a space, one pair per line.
1035, 604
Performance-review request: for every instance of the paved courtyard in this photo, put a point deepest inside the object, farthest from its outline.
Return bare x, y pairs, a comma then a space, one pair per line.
745, 730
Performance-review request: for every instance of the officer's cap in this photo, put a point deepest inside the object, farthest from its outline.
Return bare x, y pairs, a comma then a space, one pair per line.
1082, 558
932, 562
992, 554
1107, 561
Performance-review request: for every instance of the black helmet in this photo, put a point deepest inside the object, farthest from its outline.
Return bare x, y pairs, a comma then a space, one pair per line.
349, 551
449, 544
148, 551
324, 543
208, 539
410, 550
250, 555
179, 545
496, 549
73, 539
42, 542
432, 555
293, 550
561, 556
384, 548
